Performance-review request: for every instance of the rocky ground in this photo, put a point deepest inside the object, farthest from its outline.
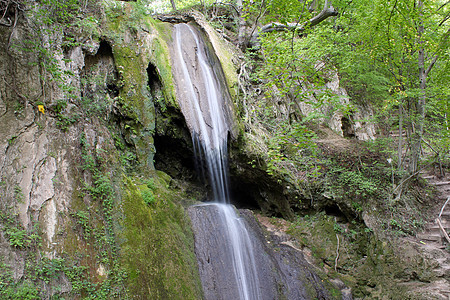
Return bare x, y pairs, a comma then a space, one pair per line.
431, 241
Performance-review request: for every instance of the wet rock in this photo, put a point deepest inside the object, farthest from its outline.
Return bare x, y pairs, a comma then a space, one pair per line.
200, 82
283, 272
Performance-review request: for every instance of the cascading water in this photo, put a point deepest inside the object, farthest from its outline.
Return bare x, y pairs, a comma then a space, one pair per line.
204, 106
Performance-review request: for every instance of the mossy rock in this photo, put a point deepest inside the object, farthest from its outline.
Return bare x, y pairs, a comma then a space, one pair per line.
158, 248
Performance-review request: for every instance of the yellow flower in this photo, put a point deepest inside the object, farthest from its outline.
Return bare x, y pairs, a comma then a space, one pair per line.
41, 109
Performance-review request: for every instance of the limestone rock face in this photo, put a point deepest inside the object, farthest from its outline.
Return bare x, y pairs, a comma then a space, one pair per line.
77, 119
356, 123
58, 106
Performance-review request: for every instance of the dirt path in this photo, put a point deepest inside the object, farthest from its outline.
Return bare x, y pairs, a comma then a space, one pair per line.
432, 244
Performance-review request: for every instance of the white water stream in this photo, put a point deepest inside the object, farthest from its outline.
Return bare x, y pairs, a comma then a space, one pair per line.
203, 109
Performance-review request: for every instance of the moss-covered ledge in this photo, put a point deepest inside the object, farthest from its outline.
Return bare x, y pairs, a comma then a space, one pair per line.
158, 244
225, 52
139, 41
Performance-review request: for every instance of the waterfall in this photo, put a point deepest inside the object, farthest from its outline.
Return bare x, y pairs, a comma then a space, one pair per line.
202, 108
204, 104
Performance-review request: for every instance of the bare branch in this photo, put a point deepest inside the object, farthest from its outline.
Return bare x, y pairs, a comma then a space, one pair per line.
444, 39
327, 11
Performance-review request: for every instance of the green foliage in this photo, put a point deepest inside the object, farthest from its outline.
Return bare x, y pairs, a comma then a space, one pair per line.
63, 24
12, 139
359, 177
62, 12
389, 41
41, 272
288, 145
47, 269
19, 194
338, 228
376, 49
147, 192
96, 101
82, 218
128, 159
12, 290
17, 236
96, 223
164, 6
148, 196
65, 121
356, 183
362, 258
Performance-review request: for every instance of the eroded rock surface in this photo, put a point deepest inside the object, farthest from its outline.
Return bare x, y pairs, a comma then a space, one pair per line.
283, 272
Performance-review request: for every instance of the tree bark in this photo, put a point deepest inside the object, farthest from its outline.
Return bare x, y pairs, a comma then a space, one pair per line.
242, 25
400, 136
172, 2
418, 134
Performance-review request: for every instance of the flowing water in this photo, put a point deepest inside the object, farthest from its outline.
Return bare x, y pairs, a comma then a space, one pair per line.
204, 107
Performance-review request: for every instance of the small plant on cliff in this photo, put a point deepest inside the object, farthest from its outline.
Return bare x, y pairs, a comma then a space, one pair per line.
82, 218
17, 236
97, 224
148, 196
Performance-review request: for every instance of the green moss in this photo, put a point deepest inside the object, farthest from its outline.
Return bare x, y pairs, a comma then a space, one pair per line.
137, 41
161, 60
225, 54
365, 264
158, 244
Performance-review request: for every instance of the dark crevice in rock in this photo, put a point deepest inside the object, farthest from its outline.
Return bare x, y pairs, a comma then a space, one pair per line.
154, 81
104, 50
347, 128
335, 210
9, 11
243, 194
113, 90
258, 189
175, 156
101, 64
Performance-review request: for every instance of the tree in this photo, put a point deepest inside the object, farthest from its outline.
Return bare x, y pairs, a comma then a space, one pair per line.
172, 2
395, 55
405, 42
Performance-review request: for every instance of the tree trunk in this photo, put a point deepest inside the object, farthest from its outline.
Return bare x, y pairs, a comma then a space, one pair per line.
400, 136
174, 7
242, 27
420, 119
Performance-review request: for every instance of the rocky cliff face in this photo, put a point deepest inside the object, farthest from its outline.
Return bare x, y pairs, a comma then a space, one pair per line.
76, 140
